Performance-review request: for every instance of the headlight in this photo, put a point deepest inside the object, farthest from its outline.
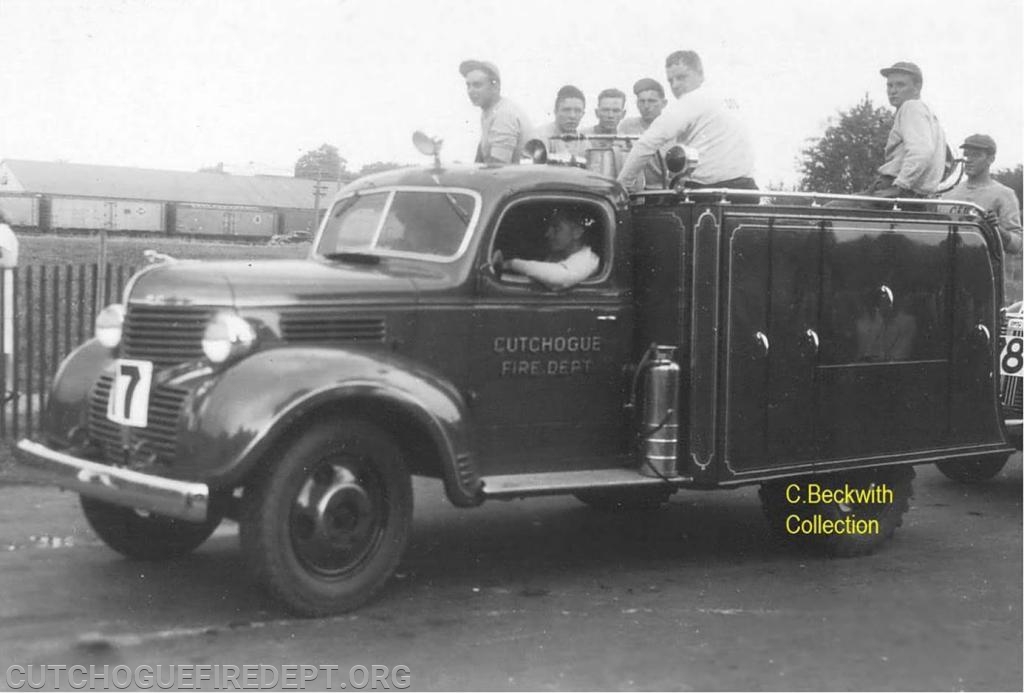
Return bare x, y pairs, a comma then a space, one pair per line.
109, 324
227, 336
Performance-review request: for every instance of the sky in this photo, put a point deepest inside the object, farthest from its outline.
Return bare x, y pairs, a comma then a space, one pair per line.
181, 84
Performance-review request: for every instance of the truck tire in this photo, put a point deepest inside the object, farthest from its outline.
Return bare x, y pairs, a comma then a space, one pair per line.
626, 500
784, 516
972, 471
144, 536
325, 525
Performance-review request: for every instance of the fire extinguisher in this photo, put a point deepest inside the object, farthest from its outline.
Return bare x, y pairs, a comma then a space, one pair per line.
658, 417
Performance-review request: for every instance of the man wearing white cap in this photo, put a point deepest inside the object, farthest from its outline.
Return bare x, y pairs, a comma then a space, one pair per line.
915, 153
504, 127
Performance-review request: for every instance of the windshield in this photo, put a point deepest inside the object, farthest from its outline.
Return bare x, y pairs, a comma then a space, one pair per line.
430, 223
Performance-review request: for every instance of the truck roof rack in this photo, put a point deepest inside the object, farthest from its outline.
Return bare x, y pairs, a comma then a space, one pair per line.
815, 199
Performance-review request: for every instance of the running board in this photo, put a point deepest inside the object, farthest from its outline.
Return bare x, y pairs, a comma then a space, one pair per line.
552, 483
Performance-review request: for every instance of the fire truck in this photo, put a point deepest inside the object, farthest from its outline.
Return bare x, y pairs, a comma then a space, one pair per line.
818, 346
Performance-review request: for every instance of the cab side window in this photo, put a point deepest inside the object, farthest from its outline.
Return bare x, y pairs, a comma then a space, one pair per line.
523, 233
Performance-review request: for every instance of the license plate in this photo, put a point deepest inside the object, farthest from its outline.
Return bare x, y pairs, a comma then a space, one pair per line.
129, 395
1011, 358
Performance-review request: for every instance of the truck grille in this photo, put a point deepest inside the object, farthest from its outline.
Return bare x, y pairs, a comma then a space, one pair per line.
157, 439
306, 325
165, 335
1011, 384
171, 335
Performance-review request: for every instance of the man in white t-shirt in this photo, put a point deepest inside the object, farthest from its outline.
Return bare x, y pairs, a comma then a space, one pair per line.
700, 119
569, 260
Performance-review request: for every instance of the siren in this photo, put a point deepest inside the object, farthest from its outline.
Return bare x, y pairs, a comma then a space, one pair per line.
680, 161
535, 152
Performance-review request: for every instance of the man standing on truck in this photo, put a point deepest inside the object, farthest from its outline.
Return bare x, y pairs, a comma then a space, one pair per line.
569, 260
992, 196
915, 153
700, 119
611, 107
504, 126
570, 104
650, 102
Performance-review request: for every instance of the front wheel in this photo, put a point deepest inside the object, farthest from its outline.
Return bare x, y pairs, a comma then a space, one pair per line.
326, 525
842, 514
145, 536
972, 471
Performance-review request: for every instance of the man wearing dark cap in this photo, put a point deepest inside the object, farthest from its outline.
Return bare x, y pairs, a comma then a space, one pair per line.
570, 104
992, 196
570, 260
650, 100
699, 118
915, 153
504, 127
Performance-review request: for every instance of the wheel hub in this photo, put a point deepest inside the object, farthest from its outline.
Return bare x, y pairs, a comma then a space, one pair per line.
336, 519
344, 512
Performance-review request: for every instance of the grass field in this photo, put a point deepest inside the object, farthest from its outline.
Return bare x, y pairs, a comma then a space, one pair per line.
61, 250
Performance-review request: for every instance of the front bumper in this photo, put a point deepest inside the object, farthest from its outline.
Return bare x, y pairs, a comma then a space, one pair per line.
182, 500
1015, 429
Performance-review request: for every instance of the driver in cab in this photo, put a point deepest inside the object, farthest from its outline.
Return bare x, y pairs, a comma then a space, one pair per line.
569, 259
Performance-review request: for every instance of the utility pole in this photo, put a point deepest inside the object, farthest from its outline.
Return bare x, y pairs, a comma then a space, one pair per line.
319, 190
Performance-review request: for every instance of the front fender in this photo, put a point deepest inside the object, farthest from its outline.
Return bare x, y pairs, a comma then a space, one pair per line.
68, 405
236, 416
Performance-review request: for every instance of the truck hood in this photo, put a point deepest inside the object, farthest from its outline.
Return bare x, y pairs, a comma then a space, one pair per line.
244, 283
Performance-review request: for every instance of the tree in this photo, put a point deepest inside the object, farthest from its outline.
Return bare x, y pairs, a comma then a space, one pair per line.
1013, 178
219, 168
846, 158
378, 167
324, 163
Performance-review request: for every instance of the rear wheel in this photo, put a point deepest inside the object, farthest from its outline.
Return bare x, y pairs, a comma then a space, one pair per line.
145, 536
863, 511
327, 524
972, 471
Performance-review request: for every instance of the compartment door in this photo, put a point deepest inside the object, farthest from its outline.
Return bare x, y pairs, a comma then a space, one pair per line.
884, 366
771, 343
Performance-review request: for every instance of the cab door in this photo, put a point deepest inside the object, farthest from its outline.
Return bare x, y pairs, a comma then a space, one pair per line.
547, 375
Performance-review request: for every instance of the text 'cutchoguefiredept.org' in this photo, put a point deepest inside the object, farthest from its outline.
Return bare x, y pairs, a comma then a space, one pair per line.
208, 677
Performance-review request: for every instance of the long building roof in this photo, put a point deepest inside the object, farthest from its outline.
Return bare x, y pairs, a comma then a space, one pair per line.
88, 180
